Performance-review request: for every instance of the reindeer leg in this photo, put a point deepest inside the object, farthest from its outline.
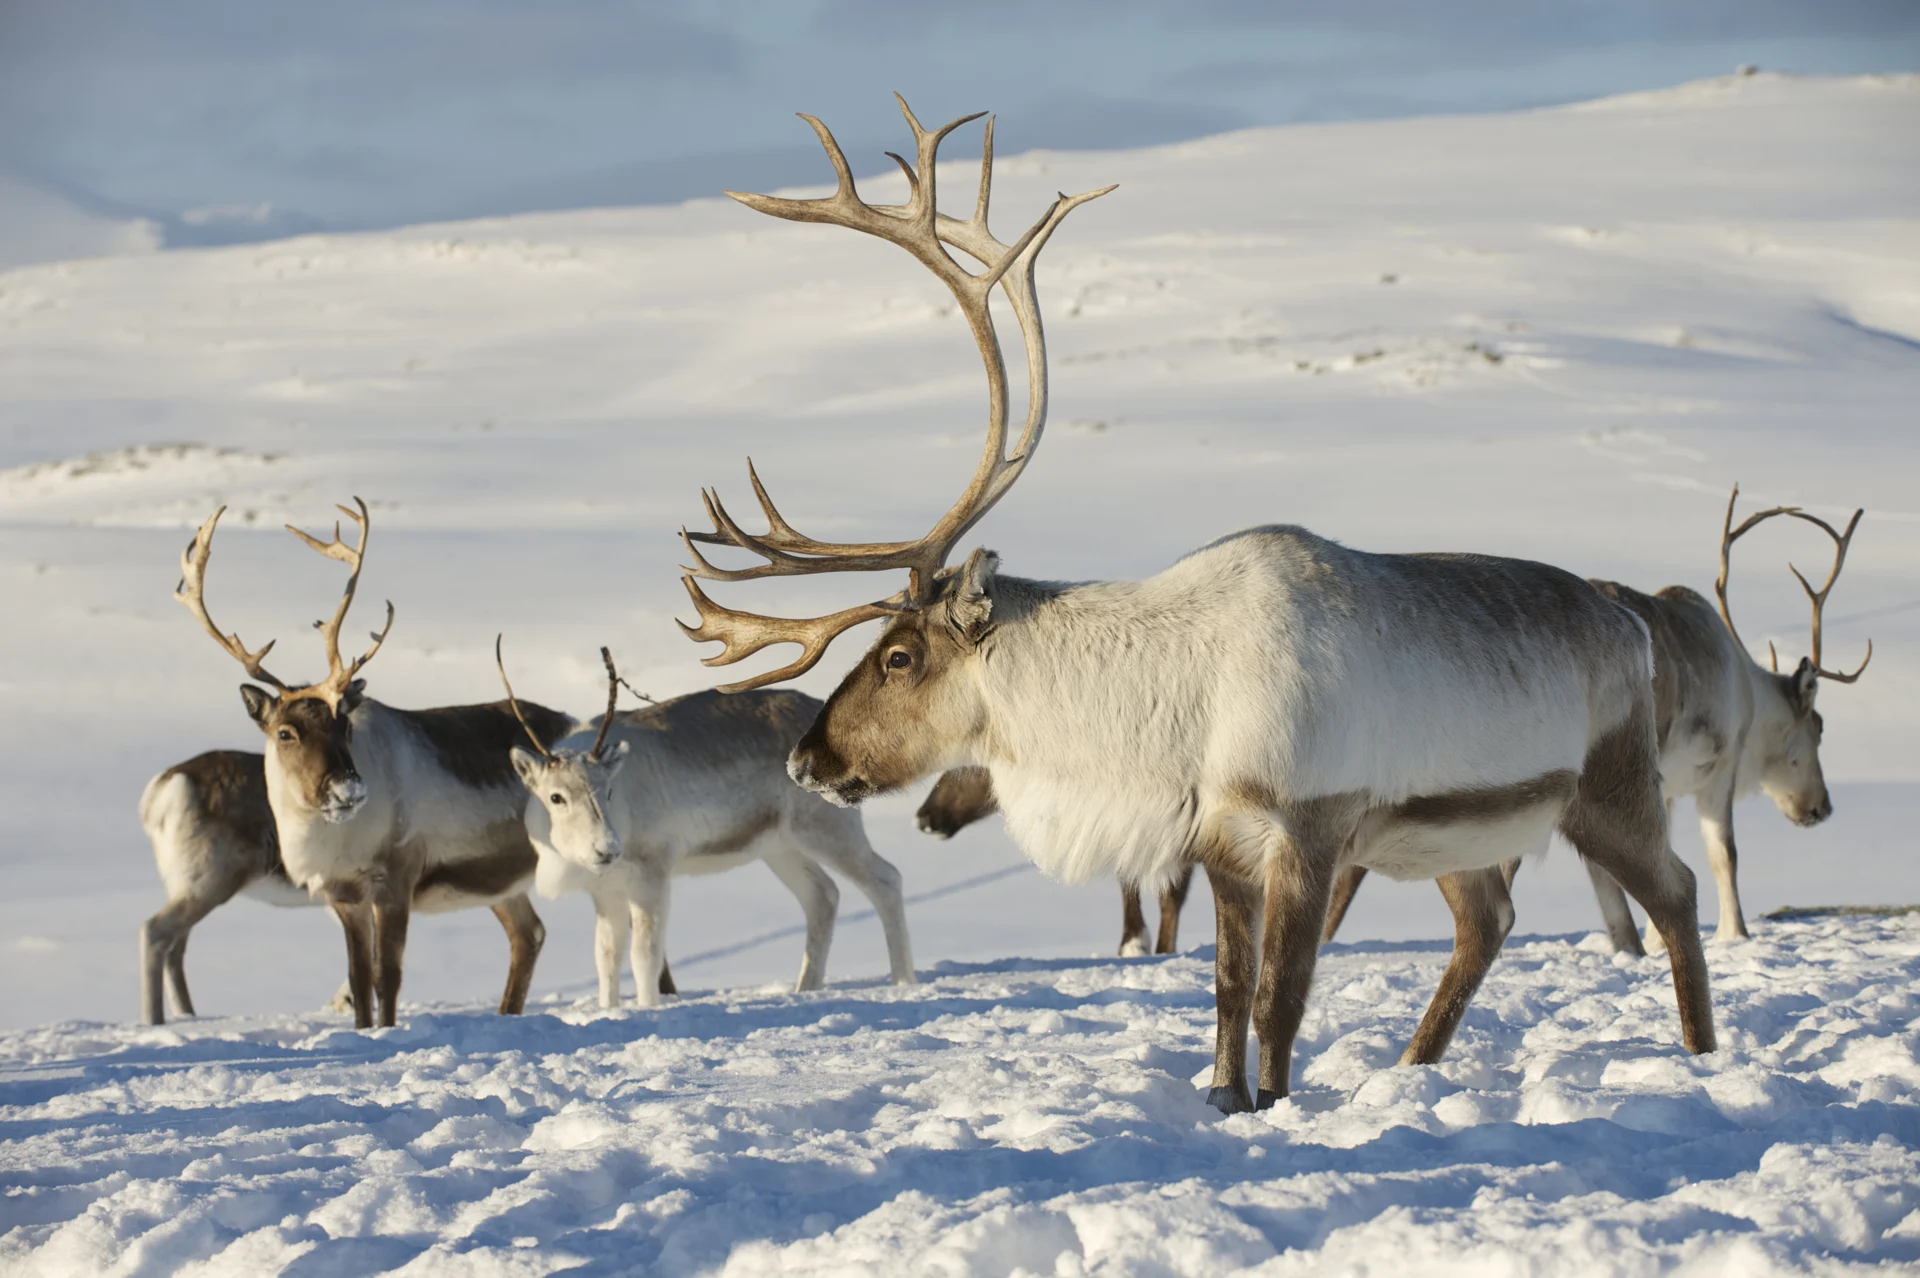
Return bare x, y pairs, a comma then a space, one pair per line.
650, 891
1299, 885
392, 911
830, 838
1173, 899
1716, 830
163, 950
1482, 917
819, 899
1236, 964
525, 936
1133, 922
1615, 911
1618, 821
612, 930
1343, 889
356, 920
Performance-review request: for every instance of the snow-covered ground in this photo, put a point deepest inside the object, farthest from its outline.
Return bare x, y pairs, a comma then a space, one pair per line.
1559, 334
1016, 1117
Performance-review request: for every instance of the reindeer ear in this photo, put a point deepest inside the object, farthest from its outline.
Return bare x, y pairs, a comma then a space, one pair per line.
970, 605
525, 766
614, 758
350, 699
1806, 683
259, 703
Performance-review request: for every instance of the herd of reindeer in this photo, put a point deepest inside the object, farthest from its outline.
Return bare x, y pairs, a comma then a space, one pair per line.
1284, 711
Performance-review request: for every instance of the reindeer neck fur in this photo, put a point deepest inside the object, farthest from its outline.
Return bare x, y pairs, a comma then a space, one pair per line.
1771, 717
425, 804
1123, 721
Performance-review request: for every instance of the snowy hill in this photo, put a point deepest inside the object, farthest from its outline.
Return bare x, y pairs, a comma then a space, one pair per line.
1559, 334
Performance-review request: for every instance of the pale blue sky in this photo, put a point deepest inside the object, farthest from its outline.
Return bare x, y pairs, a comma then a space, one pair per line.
359, 113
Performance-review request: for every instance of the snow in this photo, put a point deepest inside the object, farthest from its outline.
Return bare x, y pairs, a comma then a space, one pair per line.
1010, 1117
1560, 334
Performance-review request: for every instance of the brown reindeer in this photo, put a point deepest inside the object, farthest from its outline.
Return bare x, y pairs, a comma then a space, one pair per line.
381, 811
965, 795
1727, 726
1275, 706
213, 839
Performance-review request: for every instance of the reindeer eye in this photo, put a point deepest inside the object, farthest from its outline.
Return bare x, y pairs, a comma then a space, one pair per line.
286, 734
899, 659
558, 800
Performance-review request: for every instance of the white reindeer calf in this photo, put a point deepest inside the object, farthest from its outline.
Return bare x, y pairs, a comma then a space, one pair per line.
694, 785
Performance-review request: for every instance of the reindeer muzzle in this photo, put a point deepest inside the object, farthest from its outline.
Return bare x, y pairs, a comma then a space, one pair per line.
345, 798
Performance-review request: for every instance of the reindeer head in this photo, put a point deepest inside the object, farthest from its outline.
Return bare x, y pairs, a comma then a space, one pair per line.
907, 708
574, 787
1785, 749
309, 727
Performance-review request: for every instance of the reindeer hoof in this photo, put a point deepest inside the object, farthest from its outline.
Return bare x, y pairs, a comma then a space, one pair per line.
1266, 1099
1230, 1100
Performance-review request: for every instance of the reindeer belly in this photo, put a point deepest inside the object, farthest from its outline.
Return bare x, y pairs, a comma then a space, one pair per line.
275, 889
1426, 837
715, 862
505, 869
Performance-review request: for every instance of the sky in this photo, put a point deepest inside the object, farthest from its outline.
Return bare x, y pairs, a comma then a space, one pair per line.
219, 121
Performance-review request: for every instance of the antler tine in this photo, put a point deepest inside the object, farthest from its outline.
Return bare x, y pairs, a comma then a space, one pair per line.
745, 633
1818, 598
514, 703
192, 593
341, 673
1728, 535
613, 695
922, 230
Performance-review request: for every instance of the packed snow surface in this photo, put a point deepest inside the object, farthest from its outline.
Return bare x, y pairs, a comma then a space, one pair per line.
1557, 334
1013, 1117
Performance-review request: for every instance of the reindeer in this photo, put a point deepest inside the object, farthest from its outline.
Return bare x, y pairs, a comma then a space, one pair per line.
965, 795
381, 811
693, 785
1274, 706
213, 839
1726, 726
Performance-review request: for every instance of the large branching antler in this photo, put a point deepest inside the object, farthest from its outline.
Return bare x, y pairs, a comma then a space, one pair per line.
192, 592
1819, 597
340, 674
1730, 534
920, 228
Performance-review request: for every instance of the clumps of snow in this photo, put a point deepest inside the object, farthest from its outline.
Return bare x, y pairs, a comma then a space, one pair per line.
1044, 1117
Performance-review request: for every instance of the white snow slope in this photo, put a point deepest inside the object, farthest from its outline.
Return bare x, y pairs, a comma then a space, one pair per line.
1559, 334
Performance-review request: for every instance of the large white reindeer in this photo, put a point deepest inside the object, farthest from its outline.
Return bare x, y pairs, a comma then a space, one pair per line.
381, 811
1274, 706
1727, 726
693, 785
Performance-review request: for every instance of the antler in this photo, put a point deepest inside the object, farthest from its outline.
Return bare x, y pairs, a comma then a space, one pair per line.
613, 695
920, 228
192, 592
1819, 597
339, 673
1730, 534
514, 703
